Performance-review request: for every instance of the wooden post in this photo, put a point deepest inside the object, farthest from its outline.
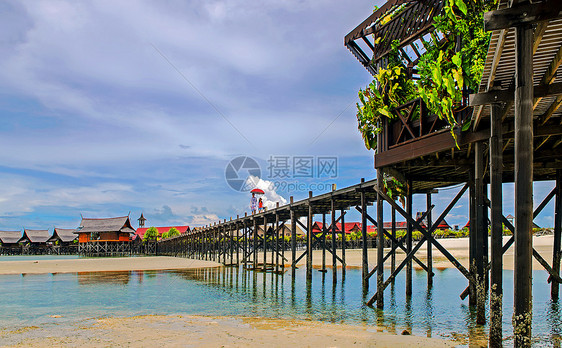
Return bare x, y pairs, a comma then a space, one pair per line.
496, 197
409, 203
333, 212
277, 240
481, 233
557, 234
293, 235
365, 261
472, 236
429, 245
255, 242
522, 294
343, 240
237, 242
380, 243
231, 240
393, 245
309, 239
265, 244
323, 242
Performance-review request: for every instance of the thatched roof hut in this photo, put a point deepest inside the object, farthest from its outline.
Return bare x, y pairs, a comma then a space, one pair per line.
10, 237
117, 229
63, 235
36, 236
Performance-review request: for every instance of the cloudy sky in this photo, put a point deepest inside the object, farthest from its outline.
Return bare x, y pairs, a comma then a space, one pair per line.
110, 108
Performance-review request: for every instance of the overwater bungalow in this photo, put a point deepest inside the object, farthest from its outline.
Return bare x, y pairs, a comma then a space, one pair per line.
107, 236
36, 238
10, 239
63, 236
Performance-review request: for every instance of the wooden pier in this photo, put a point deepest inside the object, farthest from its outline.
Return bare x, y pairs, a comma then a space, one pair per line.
514, 136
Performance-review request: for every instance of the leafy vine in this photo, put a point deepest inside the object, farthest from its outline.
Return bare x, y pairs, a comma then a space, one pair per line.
453, 61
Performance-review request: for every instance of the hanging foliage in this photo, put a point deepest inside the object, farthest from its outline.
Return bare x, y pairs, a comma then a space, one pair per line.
453, 60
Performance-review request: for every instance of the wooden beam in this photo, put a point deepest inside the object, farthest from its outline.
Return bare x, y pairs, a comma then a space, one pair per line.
506, 95
551, 110
431, 143
550, 73
522, 14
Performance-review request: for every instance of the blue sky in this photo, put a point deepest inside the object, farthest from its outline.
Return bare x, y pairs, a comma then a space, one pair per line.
116, 107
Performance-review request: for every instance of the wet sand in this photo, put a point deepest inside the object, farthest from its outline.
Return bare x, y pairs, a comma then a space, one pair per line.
202, 331
102, 265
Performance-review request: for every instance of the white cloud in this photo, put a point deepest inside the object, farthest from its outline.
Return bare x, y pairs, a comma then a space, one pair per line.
270, 197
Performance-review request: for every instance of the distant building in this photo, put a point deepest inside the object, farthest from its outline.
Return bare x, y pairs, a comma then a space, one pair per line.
161, 230
10, 239
350, 227
116, 229
285, 231
35, 237
64, 236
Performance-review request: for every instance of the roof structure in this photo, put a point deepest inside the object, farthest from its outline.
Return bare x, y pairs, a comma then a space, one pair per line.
405, 21
10, 237
161, 230
64, 234
117, 224
36, 236
349, 226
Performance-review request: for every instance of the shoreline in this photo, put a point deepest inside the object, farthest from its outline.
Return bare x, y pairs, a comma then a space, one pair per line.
209, 331
111, 264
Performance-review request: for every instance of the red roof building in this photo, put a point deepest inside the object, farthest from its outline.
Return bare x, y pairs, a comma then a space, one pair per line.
349, 227
161, 230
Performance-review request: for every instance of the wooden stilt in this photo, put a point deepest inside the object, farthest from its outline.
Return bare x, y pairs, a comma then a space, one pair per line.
380, 243
557, 234
522, 294
277, 240
481, 233
255, 243
392, 244
323, 242
365, 259
472, 236
333, 214
409, 230
293, 236
309, 239
264, 243
343, 240
496, 198
429, 246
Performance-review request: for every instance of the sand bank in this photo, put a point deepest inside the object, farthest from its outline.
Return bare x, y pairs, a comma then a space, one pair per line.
200, 331
458, 247
102, 265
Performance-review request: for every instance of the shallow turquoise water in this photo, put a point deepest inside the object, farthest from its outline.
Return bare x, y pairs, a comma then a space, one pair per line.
31, 299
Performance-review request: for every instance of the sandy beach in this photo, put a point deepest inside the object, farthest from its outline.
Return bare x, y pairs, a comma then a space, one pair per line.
149, 263
458, 247
202, 331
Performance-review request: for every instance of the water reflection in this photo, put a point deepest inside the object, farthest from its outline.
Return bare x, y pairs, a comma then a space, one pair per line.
117, 278
437, 312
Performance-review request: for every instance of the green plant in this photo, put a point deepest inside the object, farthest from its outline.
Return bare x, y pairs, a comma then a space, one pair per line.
454, 58
150, 235
172, 232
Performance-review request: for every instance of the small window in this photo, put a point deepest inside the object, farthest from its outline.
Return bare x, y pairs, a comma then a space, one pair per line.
94, 236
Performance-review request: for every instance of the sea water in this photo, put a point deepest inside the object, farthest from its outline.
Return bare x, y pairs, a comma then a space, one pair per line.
33, 299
